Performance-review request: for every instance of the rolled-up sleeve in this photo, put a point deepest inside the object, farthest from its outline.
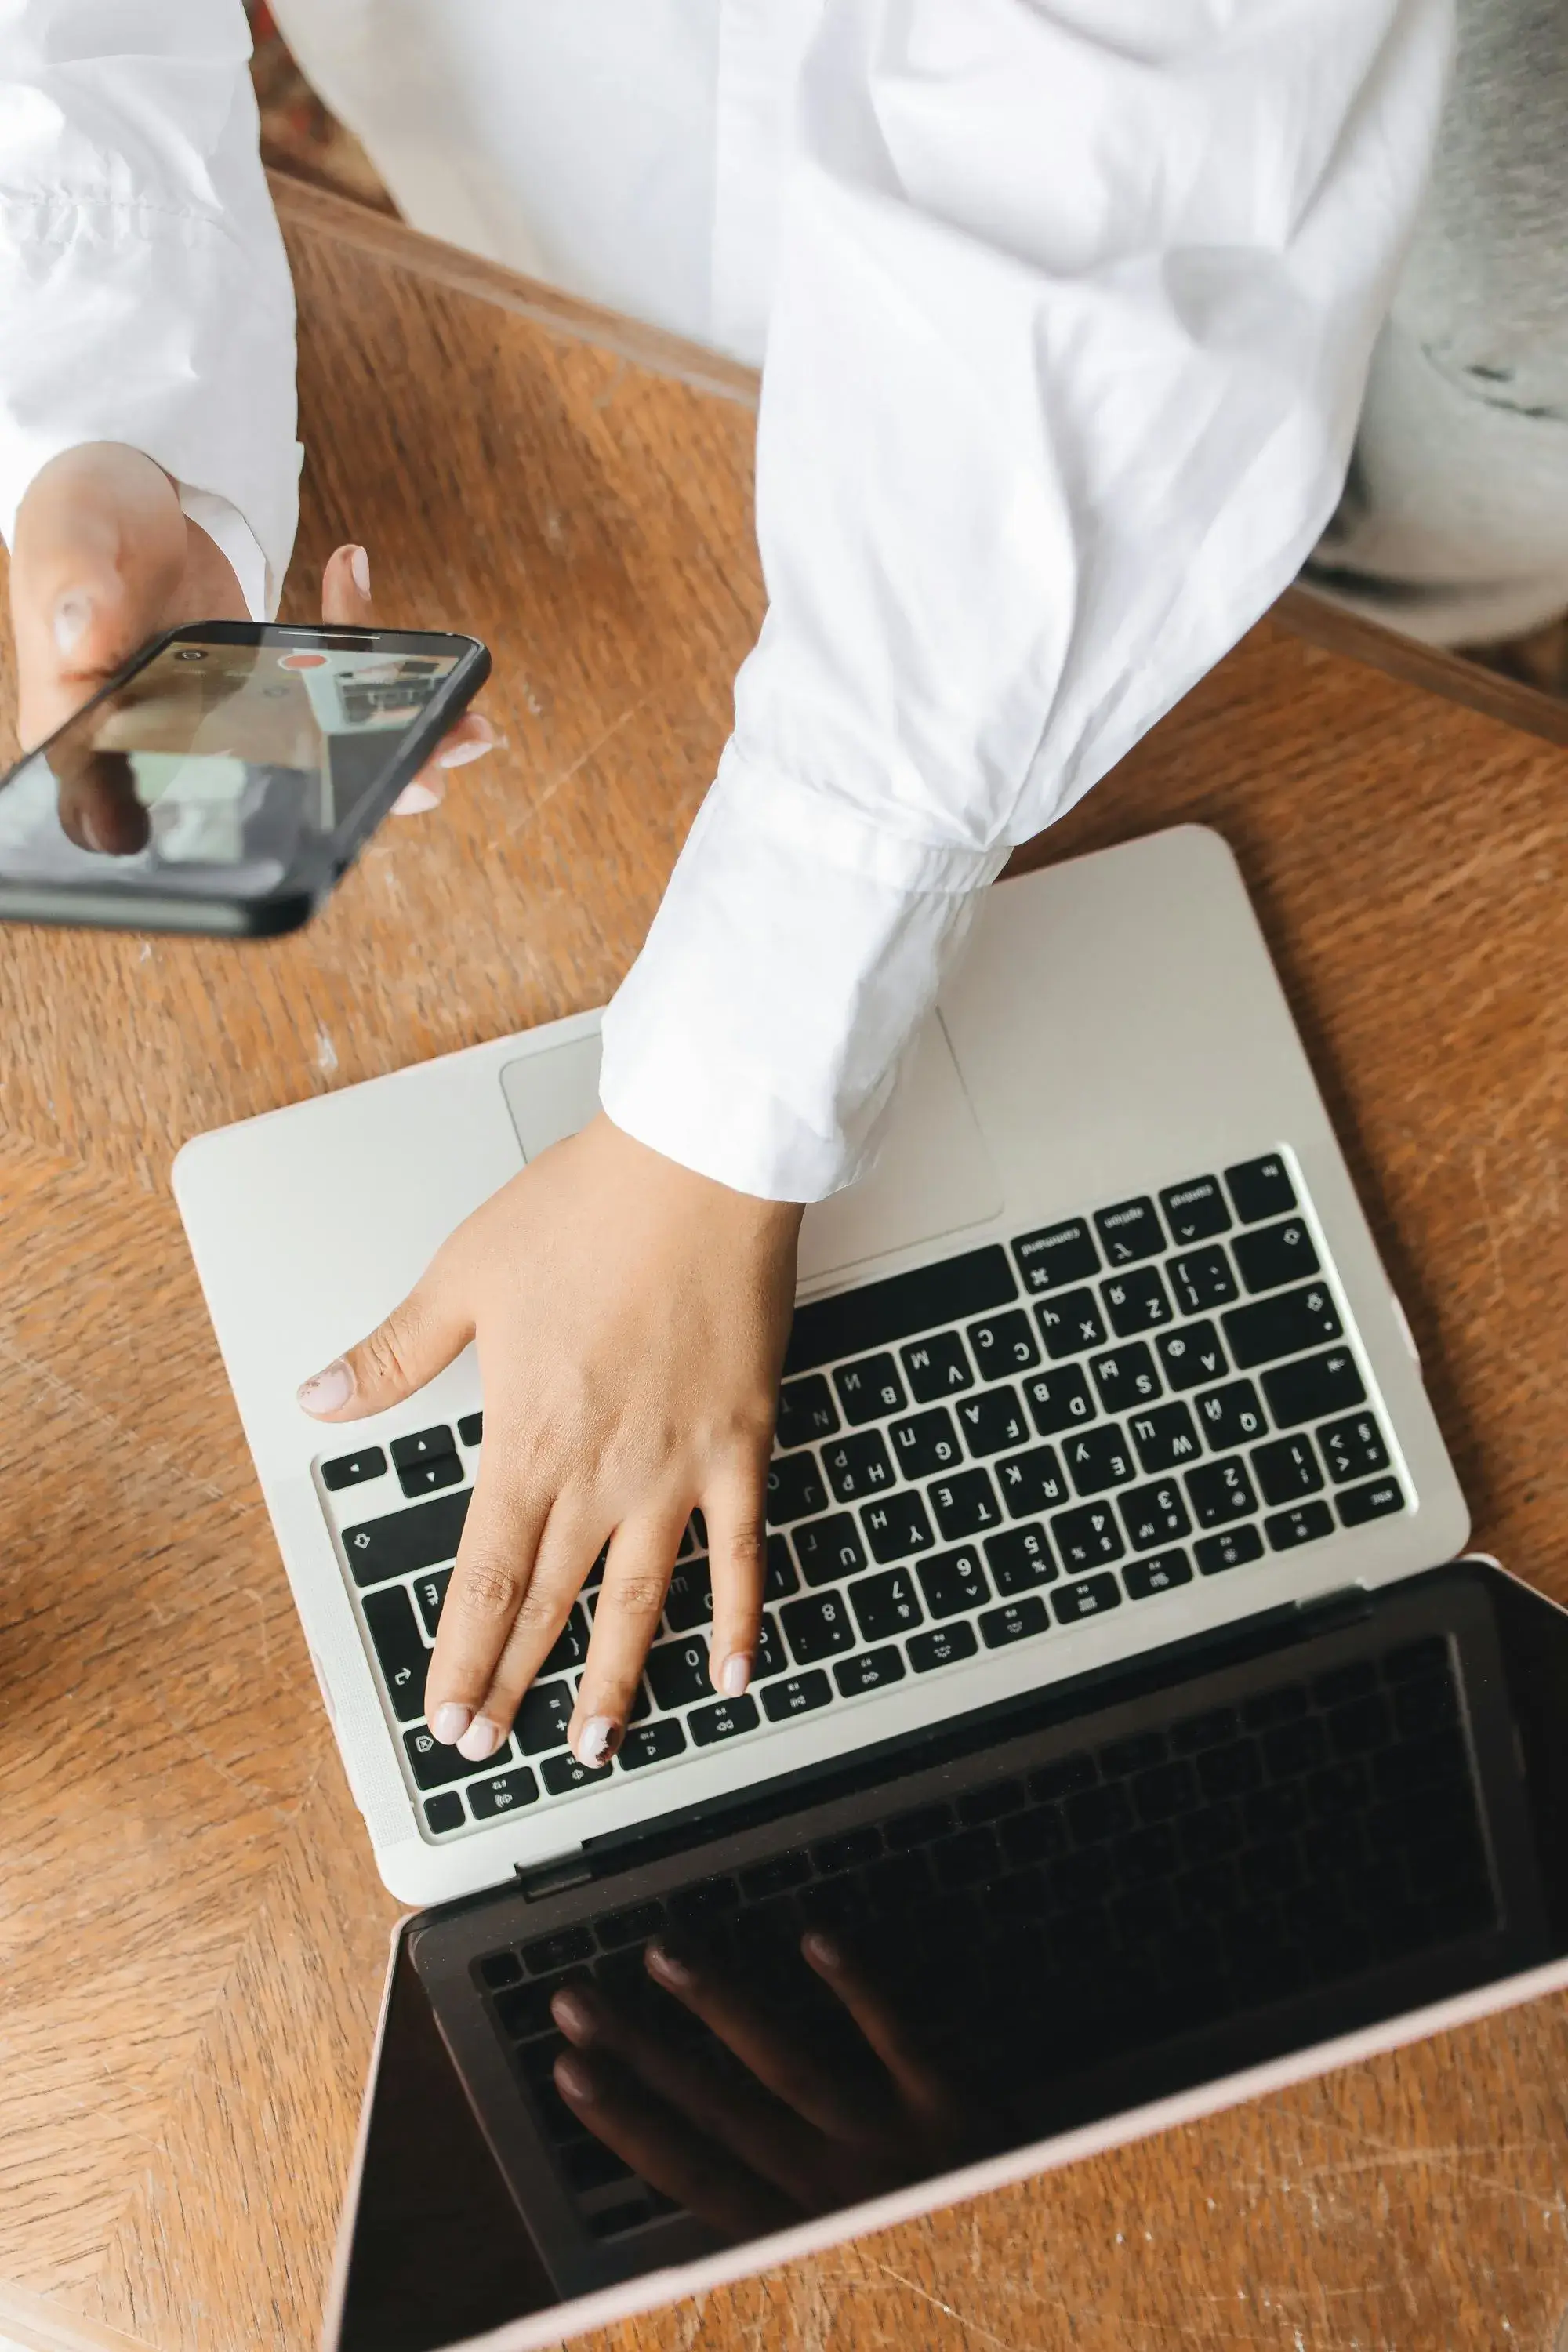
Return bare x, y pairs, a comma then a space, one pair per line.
144, 292
1073, 311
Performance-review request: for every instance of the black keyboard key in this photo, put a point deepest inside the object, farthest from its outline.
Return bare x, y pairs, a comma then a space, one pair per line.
1059, 1399
1130, 1230
796, 1490
779, 1579
435, 1765
444, 1813
925, 1821
725, 1718
1154, 1515
1087, 1538
1014, 1622
1125, 1377
1195, 1210
546, 1954
1019, 1558
1236, 1548
819, 1626
570, 1647
945, 1645
925, 1443
1353, 1448
798, 1695
428, 1594
1202, 1279
1032, 1482
806, 1412
900, 1307
1286, 1470
897, 1528
1056, 1254
828, 1549
1375, 1501
1003, 1345
858, 1465
677, 1672
1138, 1301
872, 1670
504, 1794
1317, 1385
562, 1773
1090, 1597
690, 1599
429, 1478
772, 1658
847, 1851
400, 1653
1191, 1356
1221, 1491
954, 1583
1281, 1325
1260, 1188
650, 1743
353, 1469
776, 1875
423, 1445
1070, 1324
471, 1428
1308, 1523
1230, 1416
1165, 1438
965, 1506
1274, 1254
406, 1540
543, 1718
870, 1389
885, 1604
936, 1367
1099, 1458
1144, 1578
992, 1420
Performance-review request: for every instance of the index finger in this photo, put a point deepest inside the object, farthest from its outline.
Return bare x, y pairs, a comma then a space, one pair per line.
495, 1560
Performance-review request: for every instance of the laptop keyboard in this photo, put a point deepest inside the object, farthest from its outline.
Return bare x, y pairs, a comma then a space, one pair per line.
986, 1451
1148, 1886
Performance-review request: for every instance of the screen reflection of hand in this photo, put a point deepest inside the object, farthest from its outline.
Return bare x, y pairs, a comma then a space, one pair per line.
98, 803
790, 2131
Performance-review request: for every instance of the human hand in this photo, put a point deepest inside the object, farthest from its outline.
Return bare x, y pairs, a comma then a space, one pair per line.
799, 2132
631, 1319
105, 559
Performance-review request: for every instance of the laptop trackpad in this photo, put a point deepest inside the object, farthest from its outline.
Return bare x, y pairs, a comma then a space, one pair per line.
935, 1175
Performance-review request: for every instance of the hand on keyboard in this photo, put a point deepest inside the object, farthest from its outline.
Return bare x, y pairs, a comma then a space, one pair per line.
630, 1319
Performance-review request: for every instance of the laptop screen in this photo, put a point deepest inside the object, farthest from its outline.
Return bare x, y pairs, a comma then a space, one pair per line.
1052, 1914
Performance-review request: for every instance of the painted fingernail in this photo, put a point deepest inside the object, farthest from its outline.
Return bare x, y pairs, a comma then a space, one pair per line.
736, 1674
72, 615
326, 1391
670, 1966
821, 1950
597, 1742
481, 1738
573, 2077
449, 1722
572, 2015
416, 800
459, 755
359, 564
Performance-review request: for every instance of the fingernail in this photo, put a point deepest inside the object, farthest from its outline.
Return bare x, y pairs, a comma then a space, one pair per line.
72, 615
359, 564
737, 1674
669, 1966
572, 2015
461, 755
449, 1722
416, 800
822, 1951
573, 2077
597, 1741
89, 830
481, 1738
325, 1392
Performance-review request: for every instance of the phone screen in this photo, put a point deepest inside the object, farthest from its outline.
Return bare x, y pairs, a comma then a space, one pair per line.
216, 764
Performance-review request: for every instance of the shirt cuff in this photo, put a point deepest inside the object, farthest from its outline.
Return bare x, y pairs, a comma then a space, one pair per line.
758, 1037
232, 536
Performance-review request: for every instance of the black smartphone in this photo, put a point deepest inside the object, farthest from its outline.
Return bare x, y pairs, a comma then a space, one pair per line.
226, 777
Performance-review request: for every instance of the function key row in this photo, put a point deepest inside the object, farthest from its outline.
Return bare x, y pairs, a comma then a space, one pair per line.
425, 1460
1130, 1231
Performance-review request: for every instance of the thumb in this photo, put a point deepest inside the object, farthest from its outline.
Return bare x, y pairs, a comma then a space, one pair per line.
418, 1339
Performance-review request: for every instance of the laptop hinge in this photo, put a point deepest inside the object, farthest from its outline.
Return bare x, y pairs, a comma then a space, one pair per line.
553, 1877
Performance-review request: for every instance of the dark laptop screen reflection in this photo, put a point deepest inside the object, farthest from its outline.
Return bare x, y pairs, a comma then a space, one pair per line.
1057, 1915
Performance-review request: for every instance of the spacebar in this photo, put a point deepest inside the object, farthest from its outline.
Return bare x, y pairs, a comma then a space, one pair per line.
897, 1309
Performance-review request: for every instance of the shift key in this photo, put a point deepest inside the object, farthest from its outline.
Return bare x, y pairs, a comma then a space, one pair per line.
405, 1541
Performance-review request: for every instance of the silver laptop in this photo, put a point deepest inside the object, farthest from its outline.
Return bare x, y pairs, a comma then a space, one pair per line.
1097, 1398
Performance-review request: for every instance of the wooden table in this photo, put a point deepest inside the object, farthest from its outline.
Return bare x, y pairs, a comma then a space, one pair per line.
190, 1935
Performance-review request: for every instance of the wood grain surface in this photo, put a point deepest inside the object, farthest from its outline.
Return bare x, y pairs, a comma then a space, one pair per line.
192, 1937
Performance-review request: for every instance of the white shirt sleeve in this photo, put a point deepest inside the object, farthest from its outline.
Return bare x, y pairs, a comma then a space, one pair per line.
1074, 308
144, 292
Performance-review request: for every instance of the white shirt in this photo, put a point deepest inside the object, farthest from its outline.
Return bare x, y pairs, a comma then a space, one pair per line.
1064, 308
